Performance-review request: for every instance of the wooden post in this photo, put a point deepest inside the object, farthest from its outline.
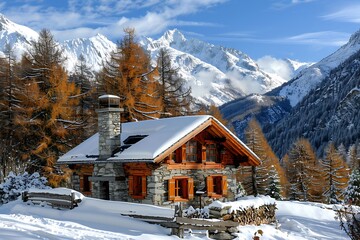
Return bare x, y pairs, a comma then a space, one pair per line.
178, 213
72, 200
24, 196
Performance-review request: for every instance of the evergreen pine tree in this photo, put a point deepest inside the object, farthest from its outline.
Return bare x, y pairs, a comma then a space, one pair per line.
274, 188
352, 191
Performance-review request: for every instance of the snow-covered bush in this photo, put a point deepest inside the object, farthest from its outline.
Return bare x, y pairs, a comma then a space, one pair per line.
240, 191
14, 184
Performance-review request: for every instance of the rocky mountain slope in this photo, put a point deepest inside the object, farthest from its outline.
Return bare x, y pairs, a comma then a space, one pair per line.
330, 112
291, 93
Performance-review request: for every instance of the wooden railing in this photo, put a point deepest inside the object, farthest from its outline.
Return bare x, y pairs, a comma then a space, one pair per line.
52, 199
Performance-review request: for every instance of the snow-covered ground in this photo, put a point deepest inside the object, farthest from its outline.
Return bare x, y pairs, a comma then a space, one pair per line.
100, 219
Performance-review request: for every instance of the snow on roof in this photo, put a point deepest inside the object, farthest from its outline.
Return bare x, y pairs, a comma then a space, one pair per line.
161, 134
156, 136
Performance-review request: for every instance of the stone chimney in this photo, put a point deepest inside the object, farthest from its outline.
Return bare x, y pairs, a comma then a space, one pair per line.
109, 125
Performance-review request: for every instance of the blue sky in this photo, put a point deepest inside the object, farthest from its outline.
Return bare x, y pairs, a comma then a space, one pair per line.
305, 30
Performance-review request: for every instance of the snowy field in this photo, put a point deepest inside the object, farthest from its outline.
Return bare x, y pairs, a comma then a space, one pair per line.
100, 219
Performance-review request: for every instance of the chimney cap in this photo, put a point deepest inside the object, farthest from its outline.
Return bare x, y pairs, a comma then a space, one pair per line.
108, 101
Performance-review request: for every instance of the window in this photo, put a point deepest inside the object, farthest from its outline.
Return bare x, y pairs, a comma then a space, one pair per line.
181, 189
211, 153
137, 186
191, 151
216, 186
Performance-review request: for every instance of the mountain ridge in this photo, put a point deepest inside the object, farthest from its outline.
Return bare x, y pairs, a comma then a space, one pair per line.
216, 74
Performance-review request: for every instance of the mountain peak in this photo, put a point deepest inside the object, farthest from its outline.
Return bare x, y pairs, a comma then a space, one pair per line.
5, 23
3, 19
355, 38
173, 36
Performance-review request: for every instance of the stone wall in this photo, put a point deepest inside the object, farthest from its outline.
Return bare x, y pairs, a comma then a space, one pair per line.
157, 186
75, 181
157, 183
118, 190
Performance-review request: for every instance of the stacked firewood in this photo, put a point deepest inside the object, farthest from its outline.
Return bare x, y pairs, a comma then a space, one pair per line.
264, 214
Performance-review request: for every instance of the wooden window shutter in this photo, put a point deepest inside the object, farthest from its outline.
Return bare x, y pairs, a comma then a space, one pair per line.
224, 185
131, 185
183, 153
171, 189
209, 186
81, 183
191, 188
203, 153
143, 186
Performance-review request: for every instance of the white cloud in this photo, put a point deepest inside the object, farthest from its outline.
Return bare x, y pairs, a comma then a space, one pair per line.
244, 82
347, 14
202, 83
276, 66
325, 38
281, 4
109, 17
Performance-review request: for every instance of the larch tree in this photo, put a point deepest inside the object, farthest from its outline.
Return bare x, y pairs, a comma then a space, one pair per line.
129, 75
353, 157
303, 172
260, 175
335, 173
9, 134
86, 114
174, 94
48, 102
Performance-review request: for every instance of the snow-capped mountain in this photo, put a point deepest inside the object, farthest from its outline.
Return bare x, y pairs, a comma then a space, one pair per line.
17, 36
216, 74
95, 51
309, 78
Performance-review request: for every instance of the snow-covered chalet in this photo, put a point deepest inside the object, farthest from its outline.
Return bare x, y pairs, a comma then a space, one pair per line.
158, 161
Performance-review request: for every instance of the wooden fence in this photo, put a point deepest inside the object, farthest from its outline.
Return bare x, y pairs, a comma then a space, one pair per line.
216, 229
67, 201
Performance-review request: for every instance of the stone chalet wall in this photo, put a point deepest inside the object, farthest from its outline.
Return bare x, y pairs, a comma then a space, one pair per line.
157, 183
118, 190
75, 181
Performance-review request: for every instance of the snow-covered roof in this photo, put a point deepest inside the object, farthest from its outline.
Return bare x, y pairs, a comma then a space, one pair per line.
157, 137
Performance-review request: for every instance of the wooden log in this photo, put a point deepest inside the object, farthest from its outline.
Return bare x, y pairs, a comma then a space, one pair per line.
203, 222
208, 228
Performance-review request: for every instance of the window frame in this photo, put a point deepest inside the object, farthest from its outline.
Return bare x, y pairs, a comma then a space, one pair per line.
180, 183
192, 151
214, 150
213, 183
136, 191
